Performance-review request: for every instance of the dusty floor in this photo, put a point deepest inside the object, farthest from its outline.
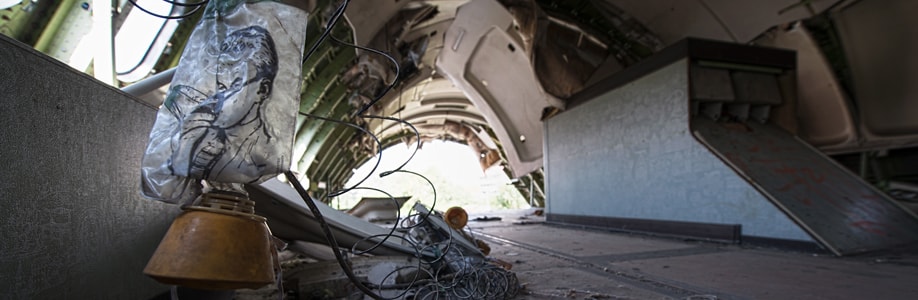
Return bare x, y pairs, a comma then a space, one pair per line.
566, 262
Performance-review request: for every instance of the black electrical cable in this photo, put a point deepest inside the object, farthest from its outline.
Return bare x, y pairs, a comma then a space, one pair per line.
177, 3
432, 187
328, 27
146, 53
329, 236
465, 277
406, 286
417, 277
378, 153
469, 279
388, 87
193, 11
398, 215
161, 28
417, 136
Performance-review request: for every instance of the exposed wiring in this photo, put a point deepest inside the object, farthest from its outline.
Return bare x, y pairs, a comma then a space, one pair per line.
386, 236
417, 136
389, 87
328, 235
449, 272
328, 27
442, 268
177, 3
197, 6
146, 53
378, 153
432, 188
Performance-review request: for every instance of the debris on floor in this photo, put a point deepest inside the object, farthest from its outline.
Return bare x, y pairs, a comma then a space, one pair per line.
448, 263
487, 219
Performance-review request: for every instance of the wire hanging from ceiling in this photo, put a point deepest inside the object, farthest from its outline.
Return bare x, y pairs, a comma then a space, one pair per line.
195, 7
450, 273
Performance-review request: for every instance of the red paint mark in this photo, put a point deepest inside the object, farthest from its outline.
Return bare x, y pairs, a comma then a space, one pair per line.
786, 170
806, 181
870, 226
875, 205
871, 197
736, 160
813, 175
766, 161
786, 187
806, 201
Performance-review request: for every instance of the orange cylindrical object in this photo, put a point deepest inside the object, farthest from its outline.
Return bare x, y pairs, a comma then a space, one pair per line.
456, 217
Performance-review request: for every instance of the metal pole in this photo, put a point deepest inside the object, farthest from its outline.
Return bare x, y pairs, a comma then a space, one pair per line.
47, 35
150, 84
531, 182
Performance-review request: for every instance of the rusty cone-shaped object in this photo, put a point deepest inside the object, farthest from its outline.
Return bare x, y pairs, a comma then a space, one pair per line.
219, 244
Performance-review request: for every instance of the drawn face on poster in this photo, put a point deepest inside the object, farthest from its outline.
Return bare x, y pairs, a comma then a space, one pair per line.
225, 125
231, 108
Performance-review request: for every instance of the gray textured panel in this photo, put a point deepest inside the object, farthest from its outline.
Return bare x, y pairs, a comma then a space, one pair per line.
709, 84
845, 213
73, 224
756, 88
629, 154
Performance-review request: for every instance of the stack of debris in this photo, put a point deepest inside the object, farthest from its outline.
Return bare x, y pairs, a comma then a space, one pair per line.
448, 263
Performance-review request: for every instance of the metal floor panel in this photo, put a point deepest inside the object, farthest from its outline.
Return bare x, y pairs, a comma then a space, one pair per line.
837, 208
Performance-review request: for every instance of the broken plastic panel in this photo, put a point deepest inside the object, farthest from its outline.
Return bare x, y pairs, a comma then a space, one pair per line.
230, 111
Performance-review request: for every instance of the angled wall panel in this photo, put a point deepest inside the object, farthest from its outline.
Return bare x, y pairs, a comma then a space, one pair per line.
628, 154
694, 138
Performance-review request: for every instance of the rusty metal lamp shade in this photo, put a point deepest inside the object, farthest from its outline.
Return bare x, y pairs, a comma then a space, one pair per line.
456, 217
219, 244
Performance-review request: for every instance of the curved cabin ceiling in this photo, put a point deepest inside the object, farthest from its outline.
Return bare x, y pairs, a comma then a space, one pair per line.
486, 72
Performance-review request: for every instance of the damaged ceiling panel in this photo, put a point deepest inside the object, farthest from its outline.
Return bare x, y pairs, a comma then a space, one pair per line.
836, 133
886, 107
482, 47
735, 21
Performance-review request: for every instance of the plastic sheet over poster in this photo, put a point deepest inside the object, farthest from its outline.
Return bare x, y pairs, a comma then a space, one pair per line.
230, 111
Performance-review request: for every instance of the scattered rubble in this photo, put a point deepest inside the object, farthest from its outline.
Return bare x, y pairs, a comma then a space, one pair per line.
449, 264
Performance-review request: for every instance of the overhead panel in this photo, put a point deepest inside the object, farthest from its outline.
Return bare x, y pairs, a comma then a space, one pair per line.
826, 119
672, 20
879, 39
727, 20
492, 69
747, 19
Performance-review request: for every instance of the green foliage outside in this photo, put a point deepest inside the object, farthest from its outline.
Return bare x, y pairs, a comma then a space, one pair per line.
454, 171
